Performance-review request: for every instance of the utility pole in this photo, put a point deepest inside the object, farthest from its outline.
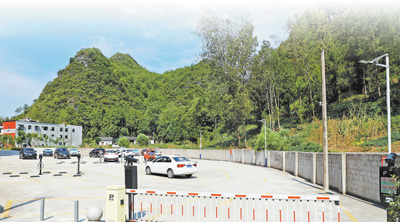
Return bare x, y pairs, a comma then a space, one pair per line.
324, 124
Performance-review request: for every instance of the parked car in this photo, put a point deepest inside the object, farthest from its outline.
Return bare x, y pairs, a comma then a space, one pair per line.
136, 152
121, 151
172, 166
25, 153
111, 155
96, 152
74, 152
62, 153
47, 152
149, 154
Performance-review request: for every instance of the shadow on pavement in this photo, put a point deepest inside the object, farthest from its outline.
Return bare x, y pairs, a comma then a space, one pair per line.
9, 153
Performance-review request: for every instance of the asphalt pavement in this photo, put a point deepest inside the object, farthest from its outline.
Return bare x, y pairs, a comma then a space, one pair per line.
21, 194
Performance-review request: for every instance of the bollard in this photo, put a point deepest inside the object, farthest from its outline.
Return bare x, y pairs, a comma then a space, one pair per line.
42, 210
76, 211
40, 164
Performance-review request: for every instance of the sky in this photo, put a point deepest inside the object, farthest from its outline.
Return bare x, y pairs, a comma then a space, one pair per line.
37, 37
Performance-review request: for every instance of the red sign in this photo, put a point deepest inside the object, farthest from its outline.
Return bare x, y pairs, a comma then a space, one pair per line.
383, 163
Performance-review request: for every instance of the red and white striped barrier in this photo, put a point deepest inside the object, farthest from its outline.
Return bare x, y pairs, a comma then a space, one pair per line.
197, 206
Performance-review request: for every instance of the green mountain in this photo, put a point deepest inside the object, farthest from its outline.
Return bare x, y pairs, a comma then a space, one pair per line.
116, 96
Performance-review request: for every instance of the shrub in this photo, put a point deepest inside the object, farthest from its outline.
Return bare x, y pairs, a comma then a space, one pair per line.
143, 140
123, 142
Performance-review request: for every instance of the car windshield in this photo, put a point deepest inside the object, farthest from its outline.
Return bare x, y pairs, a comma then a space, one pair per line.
29, 149
73, 149
111, 151
179, 159
63, 149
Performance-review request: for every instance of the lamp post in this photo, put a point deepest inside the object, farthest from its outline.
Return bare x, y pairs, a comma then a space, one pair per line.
265, 140
375, 62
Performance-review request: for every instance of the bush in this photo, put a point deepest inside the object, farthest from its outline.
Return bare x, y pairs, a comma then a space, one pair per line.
380, 142
143, 140
123, 142
274, 140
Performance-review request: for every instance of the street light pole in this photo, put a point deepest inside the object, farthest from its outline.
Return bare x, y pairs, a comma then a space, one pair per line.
324, 124
375, 62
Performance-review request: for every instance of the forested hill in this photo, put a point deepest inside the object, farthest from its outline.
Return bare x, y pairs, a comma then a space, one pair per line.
239, 82
115, 97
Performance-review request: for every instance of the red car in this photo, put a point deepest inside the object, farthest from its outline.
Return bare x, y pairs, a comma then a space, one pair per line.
149, 154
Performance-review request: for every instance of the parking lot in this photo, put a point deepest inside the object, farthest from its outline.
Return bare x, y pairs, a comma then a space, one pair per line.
21, 193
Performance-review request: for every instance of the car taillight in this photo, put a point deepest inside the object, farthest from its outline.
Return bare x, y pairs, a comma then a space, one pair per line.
195, 165
181, 165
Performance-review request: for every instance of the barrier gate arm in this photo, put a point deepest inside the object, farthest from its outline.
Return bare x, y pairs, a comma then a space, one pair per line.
233, 195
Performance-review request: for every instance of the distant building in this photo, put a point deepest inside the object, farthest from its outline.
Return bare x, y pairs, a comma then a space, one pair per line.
56, 134
105, 141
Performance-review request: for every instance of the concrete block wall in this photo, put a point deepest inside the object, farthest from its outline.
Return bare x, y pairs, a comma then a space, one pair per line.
306, 165
276, 159
260, 158
363, 175
335, 171
290, 161
249, 156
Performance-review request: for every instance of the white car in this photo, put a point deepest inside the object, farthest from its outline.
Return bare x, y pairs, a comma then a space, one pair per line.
111, 155
171, 165
121, 151
74, 152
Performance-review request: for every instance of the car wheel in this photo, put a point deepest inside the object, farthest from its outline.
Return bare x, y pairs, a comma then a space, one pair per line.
170, 173
148, 171
69, 157
20, 156
189, 175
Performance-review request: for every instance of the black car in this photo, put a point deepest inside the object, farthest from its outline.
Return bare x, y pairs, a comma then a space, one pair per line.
47, 152
62, 153
96, 152
25, 153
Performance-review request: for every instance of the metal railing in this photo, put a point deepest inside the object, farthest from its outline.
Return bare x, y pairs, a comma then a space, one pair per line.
193, 206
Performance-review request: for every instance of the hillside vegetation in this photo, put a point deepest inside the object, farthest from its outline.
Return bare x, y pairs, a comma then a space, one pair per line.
225, 95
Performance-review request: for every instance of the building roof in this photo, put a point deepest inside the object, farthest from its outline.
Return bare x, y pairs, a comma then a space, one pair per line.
131, 138
106, 138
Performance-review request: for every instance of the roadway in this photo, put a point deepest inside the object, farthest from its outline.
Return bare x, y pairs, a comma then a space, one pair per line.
20, 196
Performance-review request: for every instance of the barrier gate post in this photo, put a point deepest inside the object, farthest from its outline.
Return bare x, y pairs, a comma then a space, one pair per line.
131, 182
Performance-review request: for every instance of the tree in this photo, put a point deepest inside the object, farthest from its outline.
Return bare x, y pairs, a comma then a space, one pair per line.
143, 140
123, 142
229, 46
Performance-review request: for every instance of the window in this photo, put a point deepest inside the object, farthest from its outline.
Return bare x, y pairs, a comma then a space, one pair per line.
20, 127
45, 128
60, 136
61, 129
52, 128
52, 135
66, 136
29, 127
66, 129
73, 130
37, 128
